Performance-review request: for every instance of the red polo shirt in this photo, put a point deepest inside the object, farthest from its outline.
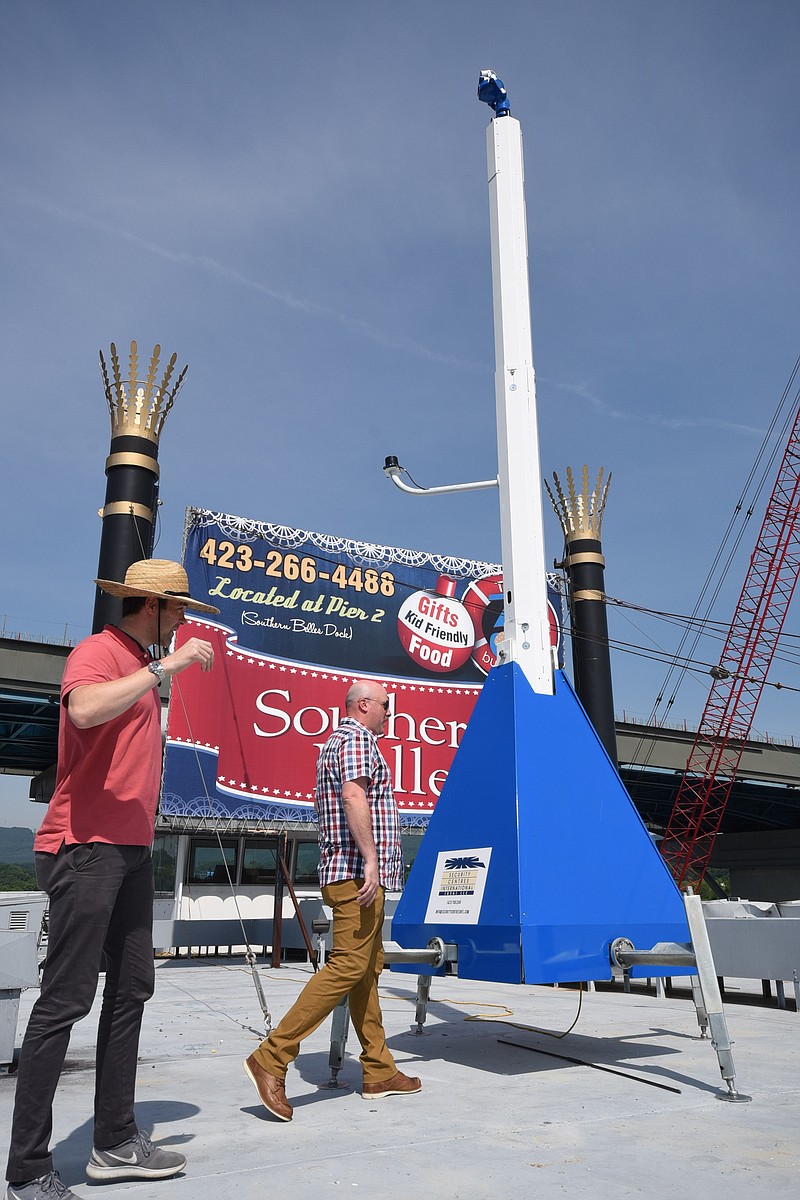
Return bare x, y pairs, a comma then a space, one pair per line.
108, 777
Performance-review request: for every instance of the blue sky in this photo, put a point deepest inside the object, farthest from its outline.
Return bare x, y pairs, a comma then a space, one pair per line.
292, 196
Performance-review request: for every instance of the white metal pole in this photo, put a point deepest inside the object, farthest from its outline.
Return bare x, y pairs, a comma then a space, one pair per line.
527, 626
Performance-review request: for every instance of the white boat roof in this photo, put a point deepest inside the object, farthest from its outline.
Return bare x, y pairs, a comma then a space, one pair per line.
492, 1120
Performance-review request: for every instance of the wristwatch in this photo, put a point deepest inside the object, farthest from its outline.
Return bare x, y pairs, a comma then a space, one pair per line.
156, 669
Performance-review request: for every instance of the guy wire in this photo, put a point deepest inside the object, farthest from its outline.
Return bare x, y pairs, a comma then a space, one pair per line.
249, 955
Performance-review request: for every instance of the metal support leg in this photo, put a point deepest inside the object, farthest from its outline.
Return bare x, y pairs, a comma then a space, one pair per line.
780, 993
796, 990
423, 995
659, 988
712, 1000
322, 949
705, 985
320, 926
699, 1005
340, 1027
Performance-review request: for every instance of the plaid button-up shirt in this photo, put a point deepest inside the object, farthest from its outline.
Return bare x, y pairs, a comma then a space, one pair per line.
351, 752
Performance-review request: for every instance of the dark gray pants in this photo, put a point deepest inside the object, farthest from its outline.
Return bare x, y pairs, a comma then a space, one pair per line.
101, 918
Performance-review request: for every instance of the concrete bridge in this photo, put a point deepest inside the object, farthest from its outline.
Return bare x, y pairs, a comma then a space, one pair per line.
763, 808
30, 679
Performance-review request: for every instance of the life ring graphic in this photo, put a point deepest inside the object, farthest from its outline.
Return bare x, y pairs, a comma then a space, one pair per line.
435, 629
484, 601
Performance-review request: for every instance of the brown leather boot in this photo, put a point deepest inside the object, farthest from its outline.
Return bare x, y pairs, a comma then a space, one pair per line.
271, 1090
398, 1085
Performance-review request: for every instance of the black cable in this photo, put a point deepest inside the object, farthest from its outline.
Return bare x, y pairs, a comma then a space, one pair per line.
731, 524
687, 664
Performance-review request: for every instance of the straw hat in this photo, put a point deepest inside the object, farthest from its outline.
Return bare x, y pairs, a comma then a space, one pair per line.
157, 577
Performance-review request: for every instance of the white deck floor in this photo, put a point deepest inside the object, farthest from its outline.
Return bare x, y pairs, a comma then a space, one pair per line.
492, 1119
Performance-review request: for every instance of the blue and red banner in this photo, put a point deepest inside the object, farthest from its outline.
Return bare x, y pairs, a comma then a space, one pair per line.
302, 616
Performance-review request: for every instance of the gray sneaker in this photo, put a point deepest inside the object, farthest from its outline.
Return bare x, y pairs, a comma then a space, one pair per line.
137, 1158
46, 1187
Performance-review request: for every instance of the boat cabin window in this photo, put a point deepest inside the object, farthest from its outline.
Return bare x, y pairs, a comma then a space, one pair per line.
259, 863
206, 862
305, 864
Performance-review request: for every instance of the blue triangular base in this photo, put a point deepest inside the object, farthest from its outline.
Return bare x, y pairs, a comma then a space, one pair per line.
535, 858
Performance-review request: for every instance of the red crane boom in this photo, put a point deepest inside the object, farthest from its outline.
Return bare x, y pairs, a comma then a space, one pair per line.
739, 679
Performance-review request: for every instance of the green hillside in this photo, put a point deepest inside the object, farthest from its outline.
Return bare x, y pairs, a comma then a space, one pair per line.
16, 846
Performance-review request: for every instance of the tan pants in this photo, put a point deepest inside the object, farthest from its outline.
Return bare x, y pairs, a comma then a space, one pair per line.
352, 968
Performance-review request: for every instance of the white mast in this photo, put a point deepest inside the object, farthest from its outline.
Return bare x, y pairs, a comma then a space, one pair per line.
527, 625
526, 638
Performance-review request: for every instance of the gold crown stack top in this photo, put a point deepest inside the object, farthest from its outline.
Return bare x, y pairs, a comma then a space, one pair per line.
580, 514
138, 406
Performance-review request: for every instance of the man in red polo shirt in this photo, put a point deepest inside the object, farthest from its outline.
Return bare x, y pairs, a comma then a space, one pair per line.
93, 860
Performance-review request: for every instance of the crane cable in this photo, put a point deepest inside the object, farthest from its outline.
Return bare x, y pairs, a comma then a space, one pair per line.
748, 512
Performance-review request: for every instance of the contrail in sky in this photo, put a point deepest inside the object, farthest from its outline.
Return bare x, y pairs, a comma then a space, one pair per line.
650, 418
201, 261
354, 324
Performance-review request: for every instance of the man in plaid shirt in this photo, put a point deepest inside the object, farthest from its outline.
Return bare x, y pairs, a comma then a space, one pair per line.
360, 860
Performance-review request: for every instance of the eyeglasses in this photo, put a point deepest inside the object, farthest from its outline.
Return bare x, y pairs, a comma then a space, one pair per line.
383, 703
